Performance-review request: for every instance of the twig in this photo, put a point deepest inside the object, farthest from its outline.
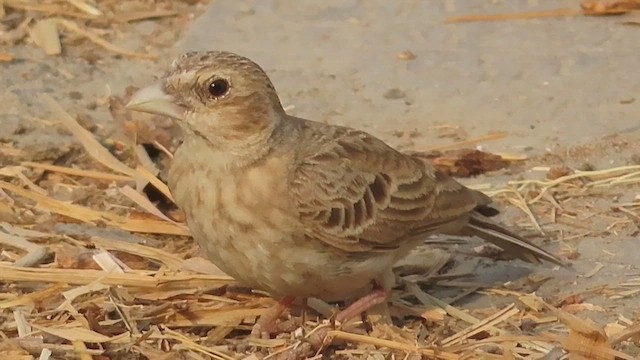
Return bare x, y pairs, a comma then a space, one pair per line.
490, 137
35, 253
514, 16
102, 42
78, 172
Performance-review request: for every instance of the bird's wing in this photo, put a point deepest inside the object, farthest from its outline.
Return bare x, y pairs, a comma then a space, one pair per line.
356, 193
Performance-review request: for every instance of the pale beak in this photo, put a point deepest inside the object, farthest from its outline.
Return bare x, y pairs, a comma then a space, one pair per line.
154, 100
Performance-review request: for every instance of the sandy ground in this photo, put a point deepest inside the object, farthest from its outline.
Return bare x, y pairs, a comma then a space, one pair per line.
563, 89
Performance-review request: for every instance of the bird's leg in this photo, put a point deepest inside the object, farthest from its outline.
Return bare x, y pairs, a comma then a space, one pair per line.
305, 307
295, 325
267, 321
375, 297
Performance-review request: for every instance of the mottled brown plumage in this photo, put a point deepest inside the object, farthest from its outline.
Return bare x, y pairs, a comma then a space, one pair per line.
296, 207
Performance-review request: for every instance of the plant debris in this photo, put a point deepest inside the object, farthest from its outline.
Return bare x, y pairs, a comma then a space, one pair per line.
466, 162
588, 8
600, 8
52, 25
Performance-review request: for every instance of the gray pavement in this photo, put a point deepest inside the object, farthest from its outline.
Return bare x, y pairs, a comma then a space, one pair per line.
546, 82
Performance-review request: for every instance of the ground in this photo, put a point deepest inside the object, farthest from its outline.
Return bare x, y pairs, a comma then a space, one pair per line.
562, 89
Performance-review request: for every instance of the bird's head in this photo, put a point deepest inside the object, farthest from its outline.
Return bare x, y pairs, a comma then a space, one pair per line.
219, 96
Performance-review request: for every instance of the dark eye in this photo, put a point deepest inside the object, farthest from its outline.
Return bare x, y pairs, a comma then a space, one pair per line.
218, 88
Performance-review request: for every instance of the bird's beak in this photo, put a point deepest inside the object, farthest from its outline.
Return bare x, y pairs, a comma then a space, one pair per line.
153, 99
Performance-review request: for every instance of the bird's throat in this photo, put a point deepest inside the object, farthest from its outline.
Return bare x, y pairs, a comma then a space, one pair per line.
220, 154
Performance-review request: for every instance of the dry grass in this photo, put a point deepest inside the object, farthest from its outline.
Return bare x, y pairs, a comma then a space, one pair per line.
52, 24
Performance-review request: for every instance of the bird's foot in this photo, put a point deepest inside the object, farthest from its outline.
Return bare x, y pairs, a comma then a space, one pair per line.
375, 297
267, 323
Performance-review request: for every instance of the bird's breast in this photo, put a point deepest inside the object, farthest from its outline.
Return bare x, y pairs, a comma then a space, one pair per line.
241, 218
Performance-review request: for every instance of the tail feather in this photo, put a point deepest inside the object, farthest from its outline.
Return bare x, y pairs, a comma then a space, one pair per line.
483, 227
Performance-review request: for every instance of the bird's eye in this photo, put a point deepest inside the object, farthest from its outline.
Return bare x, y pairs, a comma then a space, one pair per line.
218, 88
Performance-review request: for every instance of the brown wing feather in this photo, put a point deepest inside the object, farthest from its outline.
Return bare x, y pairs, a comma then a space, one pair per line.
356, 193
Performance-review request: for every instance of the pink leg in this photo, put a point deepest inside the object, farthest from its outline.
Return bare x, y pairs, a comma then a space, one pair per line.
267, 322
377, 296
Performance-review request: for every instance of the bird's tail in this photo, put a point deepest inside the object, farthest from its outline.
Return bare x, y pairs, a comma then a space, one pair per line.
483, 227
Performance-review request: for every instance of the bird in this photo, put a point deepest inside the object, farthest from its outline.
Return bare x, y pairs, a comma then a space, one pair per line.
300, 208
